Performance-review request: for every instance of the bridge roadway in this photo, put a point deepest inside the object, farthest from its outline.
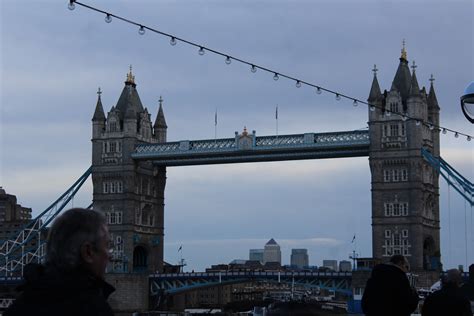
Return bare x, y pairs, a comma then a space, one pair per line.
250, 148
175, 283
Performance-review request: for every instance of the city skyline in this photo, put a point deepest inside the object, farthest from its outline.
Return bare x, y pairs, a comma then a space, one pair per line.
48, 102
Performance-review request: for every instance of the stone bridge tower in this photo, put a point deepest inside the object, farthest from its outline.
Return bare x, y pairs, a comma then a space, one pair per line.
129, 193
405, 189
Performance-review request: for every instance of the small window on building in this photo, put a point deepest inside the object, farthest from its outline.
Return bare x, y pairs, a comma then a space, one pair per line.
404, 207
405, 233
105, 187
388, 233
393, 129
119, 187
386, 175
113, 147
394, 107
119, 217
395, 175
404, 175
396, 209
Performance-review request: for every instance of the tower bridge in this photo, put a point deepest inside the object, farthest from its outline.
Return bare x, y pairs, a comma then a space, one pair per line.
130, 155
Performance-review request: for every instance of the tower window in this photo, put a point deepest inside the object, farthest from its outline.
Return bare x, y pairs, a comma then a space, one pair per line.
404, 209
396, 175
393, 129
405, 233
394, 107
388, 233
384, 131
404, 175
105, 187
396, 209
386, 175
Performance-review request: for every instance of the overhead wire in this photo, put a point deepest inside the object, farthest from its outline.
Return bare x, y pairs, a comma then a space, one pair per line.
276, 74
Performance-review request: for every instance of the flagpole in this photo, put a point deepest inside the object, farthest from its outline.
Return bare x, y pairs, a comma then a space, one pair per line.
215, 126
276, 118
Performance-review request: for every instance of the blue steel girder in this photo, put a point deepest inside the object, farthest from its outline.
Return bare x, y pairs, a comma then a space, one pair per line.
183, 282
250, 148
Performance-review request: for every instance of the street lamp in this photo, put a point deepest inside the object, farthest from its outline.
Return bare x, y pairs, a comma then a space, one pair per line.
467, 102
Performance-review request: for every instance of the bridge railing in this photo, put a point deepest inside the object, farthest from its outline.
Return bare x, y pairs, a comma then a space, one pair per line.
186, 147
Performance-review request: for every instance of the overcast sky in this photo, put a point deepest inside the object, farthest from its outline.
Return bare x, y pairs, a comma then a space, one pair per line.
53, 61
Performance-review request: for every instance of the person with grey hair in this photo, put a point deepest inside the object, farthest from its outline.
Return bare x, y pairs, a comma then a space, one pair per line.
71, 282
449, 300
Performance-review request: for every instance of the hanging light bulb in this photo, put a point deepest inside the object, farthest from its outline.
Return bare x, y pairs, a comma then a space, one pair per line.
355, 103
417, 122
318, 90
275, 77
298, 84
71, 6
338, 97
444, 131
141, 31
108, 18
456, 134
469, 138
431, 127
404, 117
253, 69
173, 41
228, 60
201, 51
372, 108
388, 113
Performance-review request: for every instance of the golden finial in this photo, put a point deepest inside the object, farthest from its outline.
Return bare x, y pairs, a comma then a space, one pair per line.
404, 52
130, 76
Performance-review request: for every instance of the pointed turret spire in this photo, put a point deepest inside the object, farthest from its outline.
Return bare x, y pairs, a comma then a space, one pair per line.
160, 121
414, 87
432, 100
404, 52
402, 80
375, 93
99, 114
130, 77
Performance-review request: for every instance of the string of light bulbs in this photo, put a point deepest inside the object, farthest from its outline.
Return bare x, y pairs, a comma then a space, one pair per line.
276, 75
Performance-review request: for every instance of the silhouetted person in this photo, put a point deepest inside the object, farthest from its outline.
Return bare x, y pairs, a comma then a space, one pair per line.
388, 291
468, 288
71, 282
449, 300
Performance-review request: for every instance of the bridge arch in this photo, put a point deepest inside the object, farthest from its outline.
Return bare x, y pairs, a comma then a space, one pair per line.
140, 258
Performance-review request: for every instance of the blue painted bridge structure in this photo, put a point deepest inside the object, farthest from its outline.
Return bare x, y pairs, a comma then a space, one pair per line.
176, 283
247, 147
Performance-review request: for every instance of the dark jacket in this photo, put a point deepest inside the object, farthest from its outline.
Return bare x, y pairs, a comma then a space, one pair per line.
468, 287
448, 301
49, 292
388, 293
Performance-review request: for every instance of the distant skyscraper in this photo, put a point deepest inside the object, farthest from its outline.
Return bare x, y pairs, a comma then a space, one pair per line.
299, 258
331, 264
256, 255
345, 266
272, 252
